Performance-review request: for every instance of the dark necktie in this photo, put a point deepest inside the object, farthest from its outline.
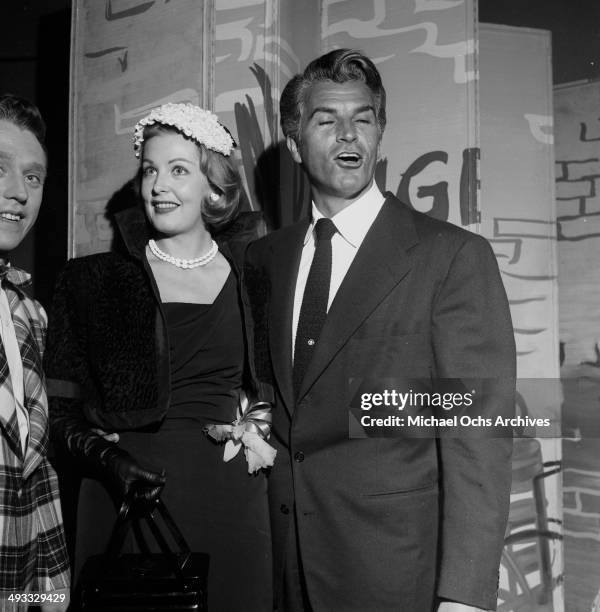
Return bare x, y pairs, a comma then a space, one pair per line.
314, 302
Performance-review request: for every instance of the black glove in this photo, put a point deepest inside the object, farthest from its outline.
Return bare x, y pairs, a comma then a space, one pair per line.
126, 474
122, 471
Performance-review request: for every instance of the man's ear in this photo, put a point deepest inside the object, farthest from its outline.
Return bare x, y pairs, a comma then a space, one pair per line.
293, 149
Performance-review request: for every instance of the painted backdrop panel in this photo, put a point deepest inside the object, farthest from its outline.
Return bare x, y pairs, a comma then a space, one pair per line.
128, 56
425, 52
518, 216
578, 202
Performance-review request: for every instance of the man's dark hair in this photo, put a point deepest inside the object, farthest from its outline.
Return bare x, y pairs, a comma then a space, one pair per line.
339, 66
24, 115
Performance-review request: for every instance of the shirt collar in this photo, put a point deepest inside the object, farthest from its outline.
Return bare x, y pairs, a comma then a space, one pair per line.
15, 276
354, 221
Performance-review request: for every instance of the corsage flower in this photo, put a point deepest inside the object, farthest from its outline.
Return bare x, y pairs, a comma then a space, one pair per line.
251, 430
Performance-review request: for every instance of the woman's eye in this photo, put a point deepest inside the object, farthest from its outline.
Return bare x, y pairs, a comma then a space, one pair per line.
148, 171
179, 170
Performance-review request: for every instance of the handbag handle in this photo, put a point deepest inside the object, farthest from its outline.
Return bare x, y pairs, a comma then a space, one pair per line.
133, 508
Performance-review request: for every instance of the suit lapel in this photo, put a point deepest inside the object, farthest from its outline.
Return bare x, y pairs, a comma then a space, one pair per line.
286, 254
380, 264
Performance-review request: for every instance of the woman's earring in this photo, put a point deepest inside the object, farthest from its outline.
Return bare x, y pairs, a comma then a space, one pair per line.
214, 196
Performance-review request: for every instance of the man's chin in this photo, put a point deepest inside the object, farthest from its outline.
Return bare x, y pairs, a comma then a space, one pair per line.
353, 191
10, 241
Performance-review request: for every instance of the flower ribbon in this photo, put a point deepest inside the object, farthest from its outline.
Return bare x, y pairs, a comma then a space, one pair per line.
251, 430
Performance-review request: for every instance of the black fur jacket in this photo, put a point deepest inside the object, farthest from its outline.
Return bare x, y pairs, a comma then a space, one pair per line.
107, 353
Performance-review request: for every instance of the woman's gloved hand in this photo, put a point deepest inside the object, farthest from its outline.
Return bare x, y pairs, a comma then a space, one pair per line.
98, 449
126, 474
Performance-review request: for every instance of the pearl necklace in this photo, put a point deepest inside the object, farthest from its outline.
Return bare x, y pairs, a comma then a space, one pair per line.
186, 264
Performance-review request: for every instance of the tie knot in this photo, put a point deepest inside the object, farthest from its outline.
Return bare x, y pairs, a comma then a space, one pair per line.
324, 229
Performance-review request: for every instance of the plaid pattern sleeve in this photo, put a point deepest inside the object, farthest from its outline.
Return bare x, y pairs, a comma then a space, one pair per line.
32, 544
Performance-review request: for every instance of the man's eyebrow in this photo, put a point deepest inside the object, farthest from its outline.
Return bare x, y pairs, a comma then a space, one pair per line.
33, 166
364, 109
322, 109
37, 167
332, 111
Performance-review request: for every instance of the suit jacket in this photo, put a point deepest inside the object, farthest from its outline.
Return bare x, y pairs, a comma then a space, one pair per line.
384, 523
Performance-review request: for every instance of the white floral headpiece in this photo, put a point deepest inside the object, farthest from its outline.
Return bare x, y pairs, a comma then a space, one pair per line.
193, 121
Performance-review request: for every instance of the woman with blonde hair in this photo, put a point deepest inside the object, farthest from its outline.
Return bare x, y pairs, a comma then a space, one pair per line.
150, 345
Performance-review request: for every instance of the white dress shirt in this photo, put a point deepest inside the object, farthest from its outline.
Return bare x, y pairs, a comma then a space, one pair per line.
352, 224
15, 368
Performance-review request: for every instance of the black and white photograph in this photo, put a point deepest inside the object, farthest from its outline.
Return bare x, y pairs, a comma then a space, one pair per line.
300, 306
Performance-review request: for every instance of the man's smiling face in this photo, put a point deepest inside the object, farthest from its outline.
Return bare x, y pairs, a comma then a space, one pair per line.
22, 175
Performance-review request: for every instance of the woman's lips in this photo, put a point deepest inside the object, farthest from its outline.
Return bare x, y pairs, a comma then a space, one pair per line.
163, 207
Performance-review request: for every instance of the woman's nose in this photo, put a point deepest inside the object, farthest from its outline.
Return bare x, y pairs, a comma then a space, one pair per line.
160, 183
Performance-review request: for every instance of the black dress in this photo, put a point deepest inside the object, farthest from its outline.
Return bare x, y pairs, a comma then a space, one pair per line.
220, 508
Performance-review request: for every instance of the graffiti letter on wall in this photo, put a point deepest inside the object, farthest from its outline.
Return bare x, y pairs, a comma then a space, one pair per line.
537, 124
469, 184
122, 60
583, 135
439, 191
94, 54
125, 120
457, 51
435, 5
361, 29
524, 228
507, 248
236, 30
130, 12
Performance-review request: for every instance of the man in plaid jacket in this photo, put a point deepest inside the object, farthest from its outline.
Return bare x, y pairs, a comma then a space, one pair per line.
34, 567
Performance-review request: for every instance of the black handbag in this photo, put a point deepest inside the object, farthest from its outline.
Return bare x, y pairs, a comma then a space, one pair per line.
172, 580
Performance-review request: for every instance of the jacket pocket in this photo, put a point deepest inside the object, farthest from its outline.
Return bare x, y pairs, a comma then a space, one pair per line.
427, 488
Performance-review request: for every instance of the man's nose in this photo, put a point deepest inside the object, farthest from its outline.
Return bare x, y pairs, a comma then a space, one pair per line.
347, 131
16, 188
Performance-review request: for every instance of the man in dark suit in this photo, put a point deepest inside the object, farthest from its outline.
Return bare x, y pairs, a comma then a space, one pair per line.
412, 524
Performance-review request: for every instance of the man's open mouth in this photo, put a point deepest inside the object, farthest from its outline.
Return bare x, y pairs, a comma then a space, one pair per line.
8, 216
349, 158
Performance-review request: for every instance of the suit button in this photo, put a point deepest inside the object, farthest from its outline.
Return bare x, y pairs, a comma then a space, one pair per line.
284, 509
299, 456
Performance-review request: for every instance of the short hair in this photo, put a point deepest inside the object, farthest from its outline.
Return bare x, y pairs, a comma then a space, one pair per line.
24, 115
221, 173
339, 66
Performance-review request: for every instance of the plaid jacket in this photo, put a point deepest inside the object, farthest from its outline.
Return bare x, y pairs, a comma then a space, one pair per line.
33, 554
